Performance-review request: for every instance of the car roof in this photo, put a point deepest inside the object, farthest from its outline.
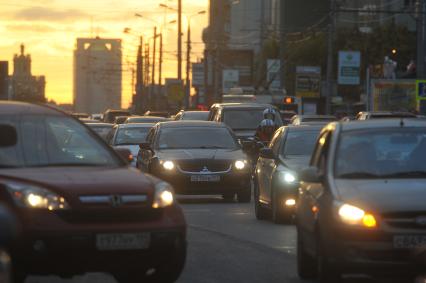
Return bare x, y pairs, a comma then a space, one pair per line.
19, 108
184, 124
304, 128
145, 117
381, 123
99, 124
186, 112
136, 125
246, 105
316, 116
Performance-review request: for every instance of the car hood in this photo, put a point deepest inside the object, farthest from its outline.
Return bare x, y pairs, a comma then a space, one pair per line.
296, 163
384, 196
72, 181
190, 154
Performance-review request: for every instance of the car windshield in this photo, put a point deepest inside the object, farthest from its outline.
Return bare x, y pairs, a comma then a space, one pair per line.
299, 143
246, 119
45, 141
102, 131
390, 153
130, 136
196, 137
195, 116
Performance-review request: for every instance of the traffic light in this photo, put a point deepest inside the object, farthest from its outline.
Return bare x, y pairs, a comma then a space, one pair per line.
289, 100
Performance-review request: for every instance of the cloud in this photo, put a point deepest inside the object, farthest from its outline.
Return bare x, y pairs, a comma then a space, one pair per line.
46, 14
31, 28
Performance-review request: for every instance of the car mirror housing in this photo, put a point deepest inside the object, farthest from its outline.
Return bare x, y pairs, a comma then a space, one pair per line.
267, 153
8, 136
125, 154
311, 175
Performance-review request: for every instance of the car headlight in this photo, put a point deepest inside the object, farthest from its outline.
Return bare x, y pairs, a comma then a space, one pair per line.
288, 177
164, 195
240, 164
30, 196
355, 216
168, 165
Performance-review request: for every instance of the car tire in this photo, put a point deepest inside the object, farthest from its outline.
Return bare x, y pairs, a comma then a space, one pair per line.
278, 213
306, 265
327, 271
260, 212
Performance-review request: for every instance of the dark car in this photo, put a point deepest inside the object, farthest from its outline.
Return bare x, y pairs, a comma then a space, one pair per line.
8, 231
102, 129
362, 202
164, 114
120, 120
197, 158
242, 118
384, 115
277, 171
192, 116
312, 119
144, 119
80, 207
110, 115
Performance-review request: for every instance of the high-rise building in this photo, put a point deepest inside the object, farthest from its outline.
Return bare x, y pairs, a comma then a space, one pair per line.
97, 75
4, 80
25, 86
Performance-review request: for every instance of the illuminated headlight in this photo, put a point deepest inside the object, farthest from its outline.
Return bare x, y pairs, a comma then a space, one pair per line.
35, 197
240, 164
290, 202
164, 195
288, 177
168, 165
353, 215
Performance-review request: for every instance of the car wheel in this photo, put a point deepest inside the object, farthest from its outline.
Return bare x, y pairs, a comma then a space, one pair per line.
327, 271
260, 211
306, 265
228, 197
278, 213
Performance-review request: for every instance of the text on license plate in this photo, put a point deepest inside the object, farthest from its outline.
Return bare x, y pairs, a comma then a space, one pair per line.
409, 241
205, 178
116, 242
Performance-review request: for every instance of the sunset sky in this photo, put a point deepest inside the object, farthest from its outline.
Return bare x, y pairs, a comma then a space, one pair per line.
49, 29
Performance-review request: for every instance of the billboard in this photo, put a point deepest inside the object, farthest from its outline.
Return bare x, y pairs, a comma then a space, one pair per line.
395, 95
308, 81
349, 67
197, 74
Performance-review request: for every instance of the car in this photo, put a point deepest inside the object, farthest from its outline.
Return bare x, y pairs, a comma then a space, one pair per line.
144, 119
238, 98
242, 118
192, 115
361, 205
129, 136
102, 129
80, 115
78, 204
164, 114
384, 115
312, 119
9, 231
120, 120
111, 114
276, 176
198, 158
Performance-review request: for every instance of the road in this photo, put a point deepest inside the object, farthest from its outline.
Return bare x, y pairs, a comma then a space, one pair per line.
227, 244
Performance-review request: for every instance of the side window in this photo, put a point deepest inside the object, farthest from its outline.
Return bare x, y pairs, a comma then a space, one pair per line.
150, 137
276, 142
111, 135
321, 152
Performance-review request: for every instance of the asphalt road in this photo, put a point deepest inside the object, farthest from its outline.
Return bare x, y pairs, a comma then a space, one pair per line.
227, 244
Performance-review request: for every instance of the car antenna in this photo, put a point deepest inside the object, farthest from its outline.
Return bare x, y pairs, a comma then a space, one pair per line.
401, 123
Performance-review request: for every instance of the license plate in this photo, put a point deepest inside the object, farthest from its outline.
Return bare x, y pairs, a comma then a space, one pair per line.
205, 178
409, 241
117, 242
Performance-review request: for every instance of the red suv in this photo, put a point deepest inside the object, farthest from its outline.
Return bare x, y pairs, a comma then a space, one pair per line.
80, 207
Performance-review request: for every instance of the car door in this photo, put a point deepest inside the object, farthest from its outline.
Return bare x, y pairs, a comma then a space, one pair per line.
265, 169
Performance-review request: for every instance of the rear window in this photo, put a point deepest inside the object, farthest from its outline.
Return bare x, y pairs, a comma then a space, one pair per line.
246, 119
300, 143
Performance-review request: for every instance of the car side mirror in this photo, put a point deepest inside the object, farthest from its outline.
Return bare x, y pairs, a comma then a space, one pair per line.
125, 154
267, 153
311, 175
145, 146
8, 136
8, 227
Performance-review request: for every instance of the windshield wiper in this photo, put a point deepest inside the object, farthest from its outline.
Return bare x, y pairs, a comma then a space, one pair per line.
359, 175
407, 174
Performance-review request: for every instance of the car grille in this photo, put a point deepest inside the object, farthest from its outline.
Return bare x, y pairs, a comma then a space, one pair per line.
197, 166
406, 220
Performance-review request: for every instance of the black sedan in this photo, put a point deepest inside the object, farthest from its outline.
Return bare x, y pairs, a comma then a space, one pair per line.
276, 175
197, 158
362, 202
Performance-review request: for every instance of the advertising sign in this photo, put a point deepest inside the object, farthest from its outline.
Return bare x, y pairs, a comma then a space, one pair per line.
395, 95
349, 67
421, 90
197, 74
308, 81
231, 78
273, 74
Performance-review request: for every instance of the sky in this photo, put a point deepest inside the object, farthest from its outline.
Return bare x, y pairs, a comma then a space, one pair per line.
49, 29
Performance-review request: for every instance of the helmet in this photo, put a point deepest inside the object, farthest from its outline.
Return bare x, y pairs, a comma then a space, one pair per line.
267, 123
267, 126
269, 113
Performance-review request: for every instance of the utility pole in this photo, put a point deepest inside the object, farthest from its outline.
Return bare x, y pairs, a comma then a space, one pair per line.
152, 96
147, 62
139, 78
330, 81
160, 67
188, 68
282, 43
179, 39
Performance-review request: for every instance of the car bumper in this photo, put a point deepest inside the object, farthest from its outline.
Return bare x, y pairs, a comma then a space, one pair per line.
49, 244
228, 183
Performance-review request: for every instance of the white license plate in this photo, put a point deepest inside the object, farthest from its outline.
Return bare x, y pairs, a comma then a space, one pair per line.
409, 241
118, 242
205, 178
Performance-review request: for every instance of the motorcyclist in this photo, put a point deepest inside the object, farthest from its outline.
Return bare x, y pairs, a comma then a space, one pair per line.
267, 127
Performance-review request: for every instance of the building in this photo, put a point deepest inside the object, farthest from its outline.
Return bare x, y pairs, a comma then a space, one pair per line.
97, 75
25, 86
4, 80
